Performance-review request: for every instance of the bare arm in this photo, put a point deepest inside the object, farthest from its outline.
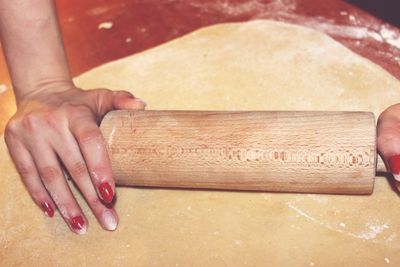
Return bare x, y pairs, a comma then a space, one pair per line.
33, 46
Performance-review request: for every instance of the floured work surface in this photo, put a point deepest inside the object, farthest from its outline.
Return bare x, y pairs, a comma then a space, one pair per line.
259, 65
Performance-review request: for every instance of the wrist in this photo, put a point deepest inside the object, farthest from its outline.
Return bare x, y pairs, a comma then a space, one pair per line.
43, 87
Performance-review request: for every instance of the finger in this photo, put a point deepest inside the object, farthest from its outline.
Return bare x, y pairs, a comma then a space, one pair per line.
125, 100
102, 101
30, 177
71, 156
54, 181
94, 151
388, 141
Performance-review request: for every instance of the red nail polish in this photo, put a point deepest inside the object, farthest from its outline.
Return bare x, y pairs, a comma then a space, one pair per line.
394, 163
48, 210
77, 223
106, 192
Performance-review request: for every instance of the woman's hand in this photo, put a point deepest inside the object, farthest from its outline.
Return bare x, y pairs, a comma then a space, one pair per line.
389, 139
57, 127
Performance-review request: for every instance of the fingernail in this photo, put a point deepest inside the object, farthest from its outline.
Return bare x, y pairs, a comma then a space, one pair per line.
394, 163
106, 192
78, 224
109, 220
141, 101
47, 209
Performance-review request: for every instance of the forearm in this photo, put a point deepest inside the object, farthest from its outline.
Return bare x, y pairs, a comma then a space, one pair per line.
33, 45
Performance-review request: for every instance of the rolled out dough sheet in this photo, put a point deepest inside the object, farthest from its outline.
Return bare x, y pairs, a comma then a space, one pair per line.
259, 65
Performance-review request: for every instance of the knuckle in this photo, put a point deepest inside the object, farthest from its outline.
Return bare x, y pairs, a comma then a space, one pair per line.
49, 174
89, 136
37, 195
11, 128
26, 171
95, 203
78, 169
52, 120
98, 174
103, 96
64, 208
79, 109
8, 137
31, 122
34, 122
103, 92
79, 112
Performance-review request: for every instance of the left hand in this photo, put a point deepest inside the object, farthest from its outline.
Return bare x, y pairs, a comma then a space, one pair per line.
59, 124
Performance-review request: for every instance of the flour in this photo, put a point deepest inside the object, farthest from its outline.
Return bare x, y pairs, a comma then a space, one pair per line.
105, 25
353, 32
3, 88
248, 7
374, 229
111, 136
101, 10
390, 36
369, 234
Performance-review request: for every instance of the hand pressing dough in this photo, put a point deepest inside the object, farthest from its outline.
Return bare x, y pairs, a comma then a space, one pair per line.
259, 65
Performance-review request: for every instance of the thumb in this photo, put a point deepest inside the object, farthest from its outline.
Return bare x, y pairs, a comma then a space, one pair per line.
104, 100
125, 100
388, 139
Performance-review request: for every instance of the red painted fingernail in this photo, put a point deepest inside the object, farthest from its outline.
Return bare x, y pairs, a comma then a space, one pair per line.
77, 223
106, 192
394, 163
48, 210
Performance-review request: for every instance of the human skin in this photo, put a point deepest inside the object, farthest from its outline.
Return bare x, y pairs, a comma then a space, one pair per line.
57, 123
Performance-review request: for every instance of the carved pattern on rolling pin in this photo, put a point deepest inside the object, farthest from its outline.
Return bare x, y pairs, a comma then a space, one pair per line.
359, 157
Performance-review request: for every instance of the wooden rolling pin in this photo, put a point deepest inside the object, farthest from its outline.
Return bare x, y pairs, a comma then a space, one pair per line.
314, 152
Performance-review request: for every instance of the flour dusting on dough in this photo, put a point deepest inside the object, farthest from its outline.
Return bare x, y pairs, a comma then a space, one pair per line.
111, 137
372, 231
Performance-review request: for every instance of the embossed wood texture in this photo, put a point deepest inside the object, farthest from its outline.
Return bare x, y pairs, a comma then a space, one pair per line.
315, 152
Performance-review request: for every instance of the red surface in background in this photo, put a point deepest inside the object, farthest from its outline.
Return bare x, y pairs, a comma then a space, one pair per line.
152, 22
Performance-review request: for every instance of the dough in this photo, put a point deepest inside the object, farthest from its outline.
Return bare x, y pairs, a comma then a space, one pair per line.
259, 65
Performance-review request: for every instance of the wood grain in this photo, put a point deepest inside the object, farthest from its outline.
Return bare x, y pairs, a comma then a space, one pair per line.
315, 152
